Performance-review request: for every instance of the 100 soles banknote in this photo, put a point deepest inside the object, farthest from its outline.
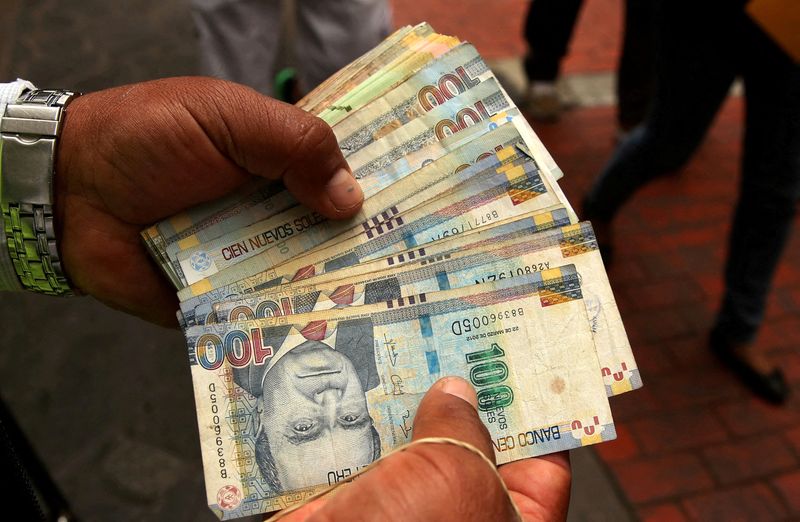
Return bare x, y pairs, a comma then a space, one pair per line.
288, 405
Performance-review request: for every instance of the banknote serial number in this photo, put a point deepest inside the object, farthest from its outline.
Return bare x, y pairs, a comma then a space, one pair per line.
465, 326
215, 425
514, 272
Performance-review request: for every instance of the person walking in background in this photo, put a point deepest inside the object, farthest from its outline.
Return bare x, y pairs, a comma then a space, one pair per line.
239, 40
701, 48
548, 31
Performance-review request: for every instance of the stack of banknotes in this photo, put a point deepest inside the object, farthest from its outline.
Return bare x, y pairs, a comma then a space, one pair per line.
311, 342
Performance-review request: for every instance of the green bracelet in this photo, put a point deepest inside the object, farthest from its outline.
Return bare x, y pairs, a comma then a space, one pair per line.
29, 130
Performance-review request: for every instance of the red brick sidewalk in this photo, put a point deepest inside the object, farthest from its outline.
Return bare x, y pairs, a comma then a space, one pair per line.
693, 445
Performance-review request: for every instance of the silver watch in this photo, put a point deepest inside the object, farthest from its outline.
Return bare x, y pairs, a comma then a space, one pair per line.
29, 130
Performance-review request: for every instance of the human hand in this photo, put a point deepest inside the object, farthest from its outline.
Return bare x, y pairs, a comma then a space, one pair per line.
133, 155
433, 482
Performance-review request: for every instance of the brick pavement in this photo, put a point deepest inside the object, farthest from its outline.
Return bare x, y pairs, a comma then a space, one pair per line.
693, 444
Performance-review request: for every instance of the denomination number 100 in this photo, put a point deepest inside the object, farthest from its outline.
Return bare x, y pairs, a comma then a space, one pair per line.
490, 372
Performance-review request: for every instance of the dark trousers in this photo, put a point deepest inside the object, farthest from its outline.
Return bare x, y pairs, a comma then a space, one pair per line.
548, 31
701, 50
636, 72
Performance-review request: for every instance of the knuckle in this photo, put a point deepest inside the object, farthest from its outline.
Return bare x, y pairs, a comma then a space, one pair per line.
314, 137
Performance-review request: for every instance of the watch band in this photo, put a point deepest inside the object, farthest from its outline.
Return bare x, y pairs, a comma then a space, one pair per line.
29, 130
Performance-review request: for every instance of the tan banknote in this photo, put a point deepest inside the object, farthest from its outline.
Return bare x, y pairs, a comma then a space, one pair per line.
572, 244
197, 310
288, 405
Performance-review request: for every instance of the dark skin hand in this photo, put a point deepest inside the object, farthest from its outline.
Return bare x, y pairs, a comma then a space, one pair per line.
442, 483
133, 155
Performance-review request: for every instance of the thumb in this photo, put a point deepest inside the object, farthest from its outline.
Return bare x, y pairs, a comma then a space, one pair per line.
279, 141
428, 482
450, 409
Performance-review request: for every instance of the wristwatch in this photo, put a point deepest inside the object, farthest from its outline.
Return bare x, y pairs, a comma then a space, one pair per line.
29, 130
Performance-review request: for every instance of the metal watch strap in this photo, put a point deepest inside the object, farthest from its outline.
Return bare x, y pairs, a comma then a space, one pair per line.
29, 131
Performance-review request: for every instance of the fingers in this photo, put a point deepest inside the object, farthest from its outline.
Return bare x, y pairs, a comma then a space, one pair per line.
279, 141
540, 486
427, 482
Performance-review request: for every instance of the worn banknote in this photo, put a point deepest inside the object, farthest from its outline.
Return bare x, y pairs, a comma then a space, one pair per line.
473, 107
373, 56
288, 405
339, 84
491, 196
456, 72
575, 244
389, 77
198, 310
300, 229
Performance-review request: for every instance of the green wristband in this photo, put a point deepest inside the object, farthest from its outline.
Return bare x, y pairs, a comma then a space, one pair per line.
29, 130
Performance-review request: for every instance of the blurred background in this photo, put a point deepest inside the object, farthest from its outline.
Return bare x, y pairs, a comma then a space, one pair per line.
106, 399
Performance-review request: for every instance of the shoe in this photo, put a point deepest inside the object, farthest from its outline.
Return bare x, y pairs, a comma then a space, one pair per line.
771, 387
542, 102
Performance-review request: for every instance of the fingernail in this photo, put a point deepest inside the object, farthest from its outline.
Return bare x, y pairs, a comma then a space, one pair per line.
460, 388
344, 191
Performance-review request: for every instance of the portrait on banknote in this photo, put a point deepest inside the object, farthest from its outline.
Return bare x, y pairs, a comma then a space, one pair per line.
312, 404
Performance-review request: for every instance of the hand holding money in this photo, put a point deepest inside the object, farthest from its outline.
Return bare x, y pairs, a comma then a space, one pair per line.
135, 154
311, 342
430, 483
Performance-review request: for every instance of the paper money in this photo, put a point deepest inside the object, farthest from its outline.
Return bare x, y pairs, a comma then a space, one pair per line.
405, 193
391, 76
463, 148
370, 57
322, 97
285, 408
311, 342
301, 230
456, 72
476, 106
488, 198
575, 244
198, 310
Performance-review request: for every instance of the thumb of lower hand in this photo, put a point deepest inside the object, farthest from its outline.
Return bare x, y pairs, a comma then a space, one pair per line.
450, 409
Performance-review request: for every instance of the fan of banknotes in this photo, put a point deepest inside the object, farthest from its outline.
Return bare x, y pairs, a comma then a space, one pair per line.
311, 342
